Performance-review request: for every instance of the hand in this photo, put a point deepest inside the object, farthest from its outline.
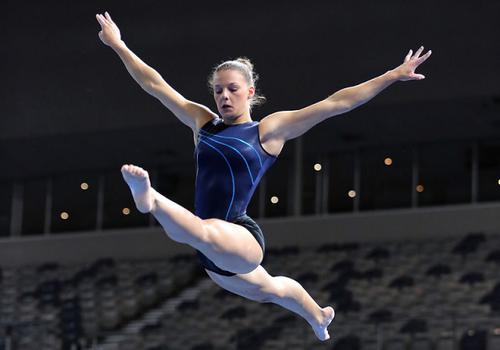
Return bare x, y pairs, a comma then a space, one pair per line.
110, 34
406, 71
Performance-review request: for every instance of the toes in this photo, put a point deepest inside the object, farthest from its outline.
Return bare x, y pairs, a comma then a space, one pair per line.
140, 171
134, 170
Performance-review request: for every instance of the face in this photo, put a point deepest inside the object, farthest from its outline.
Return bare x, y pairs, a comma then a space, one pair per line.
232, 94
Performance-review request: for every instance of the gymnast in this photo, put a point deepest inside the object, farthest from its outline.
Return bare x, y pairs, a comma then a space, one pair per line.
232, 154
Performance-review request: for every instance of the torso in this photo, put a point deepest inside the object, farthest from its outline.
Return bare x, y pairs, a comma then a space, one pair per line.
230, 161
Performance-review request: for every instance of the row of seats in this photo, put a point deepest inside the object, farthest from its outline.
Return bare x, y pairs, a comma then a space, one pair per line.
440, 294
62, 307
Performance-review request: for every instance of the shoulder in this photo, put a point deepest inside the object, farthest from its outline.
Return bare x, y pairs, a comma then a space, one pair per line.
207, 125
205, 122
210, 125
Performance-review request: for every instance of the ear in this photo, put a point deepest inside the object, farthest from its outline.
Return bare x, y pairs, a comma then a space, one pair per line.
251, 91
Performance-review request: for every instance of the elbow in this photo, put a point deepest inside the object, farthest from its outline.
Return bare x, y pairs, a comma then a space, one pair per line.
147, 86
343, 101
346, 106
152, 89
341, 106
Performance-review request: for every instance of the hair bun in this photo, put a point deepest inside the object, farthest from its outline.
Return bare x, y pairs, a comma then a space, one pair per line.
246, 61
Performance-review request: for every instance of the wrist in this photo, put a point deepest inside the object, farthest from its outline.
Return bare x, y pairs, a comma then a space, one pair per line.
392, 75
118, 45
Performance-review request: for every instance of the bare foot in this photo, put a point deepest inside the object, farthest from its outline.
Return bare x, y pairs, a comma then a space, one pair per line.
321, 328
138, 180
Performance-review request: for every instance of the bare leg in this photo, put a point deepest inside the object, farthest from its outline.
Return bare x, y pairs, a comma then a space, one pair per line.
258, 285
229, 246
295, 298
240, 254
175, 219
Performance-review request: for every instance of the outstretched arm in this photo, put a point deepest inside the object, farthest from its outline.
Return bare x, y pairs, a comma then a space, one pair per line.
190, 113
282, 126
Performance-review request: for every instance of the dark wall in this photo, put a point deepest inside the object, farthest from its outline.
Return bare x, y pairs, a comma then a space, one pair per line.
60, 78
68, 102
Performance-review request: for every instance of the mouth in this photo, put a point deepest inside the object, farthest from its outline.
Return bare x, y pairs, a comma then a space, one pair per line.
226, 107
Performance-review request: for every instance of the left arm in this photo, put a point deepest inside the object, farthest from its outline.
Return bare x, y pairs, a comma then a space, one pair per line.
279, 127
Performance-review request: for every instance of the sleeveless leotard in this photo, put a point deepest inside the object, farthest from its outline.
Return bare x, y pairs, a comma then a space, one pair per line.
230, 162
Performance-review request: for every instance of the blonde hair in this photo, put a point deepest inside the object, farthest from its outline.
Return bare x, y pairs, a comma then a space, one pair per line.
245, 67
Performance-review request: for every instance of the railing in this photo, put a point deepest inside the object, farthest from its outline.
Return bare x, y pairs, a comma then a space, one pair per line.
300, 183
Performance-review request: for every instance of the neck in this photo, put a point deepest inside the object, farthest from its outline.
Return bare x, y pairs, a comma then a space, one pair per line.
234, 120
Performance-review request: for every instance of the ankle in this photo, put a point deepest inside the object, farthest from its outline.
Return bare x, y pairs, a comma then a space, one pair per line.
154, 200
317, 318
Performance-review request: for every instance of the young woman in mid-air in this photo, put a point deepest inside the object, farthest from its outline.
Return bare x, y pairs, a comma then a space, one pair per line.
232, 154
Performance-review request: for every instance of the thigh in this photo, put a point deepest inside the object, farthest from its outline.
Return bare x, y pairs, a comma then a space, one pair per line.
228, 241
256, 285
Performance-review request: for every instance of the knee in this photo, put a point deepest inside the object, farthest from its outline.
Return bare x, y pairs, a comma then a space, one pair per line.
250, 263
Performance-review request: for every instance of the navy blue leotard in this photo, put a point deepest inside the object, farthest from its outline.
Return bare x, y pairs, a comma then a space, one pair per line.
230, 161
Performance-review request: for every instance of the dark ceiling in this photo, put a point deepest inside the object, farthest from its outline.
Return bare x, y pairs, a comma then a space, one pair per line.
68, 103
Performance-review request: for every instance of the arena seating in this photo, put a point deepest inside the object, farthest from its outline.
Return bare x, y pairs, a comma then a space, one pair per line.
66, 307
438, 295
415, 295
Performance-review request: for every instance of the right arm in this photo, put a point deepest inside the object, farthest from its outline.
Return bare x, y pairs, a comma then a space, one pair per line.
190, 113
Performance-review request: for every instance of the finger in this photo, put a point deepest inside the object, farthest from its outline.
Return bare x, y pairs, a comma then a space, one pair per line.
104, 20
100, 20
108, 17
107, 21
419, 51
419, 76
424, 57
407, 58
